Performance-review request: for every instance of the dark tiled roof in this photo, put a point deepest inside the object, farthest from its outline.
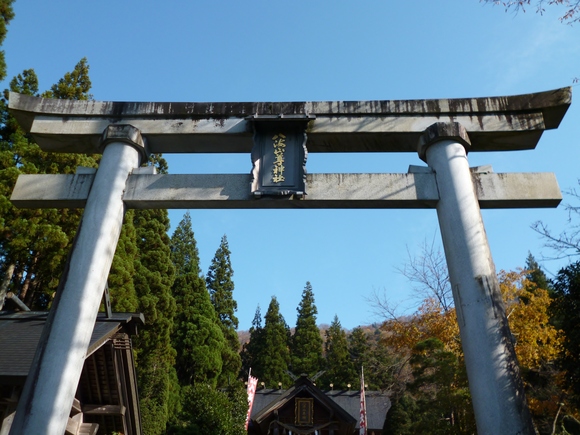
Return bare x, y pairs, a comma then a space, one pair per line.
107, 392
20, 333
377, 403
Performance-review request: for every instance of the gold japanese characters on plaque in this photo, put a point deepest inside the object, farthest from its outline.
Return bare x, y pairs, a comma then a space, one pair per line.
279, 157
278, 165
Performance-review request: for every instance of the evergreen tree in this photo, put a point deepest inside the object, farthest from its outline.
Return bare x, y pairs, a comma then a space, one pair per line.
197, 336
358, 347
535, 273
153, 281
207, 411
122, 289
400, 416
339, 368
306, 349
221, 287
34, 243
440, 390
6, 15
254, 347
75, 85
437, 400
184, 252
567, 317
271, 364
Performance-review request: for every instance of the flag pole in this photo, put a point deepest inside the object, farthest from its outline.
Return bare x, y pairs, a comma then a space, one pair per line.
363, 405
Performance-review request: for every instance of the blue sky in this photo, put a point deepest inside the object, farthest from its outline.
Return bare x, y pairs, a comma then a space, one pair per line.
210, 51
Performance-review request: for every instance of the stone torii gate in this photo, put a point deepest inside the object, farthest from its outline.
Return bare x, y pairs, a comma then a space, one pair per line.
441, 131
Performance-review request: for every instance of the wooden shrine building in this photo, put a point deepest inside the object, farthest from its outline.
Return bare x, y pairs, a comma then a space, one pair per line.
304, 409
106, 400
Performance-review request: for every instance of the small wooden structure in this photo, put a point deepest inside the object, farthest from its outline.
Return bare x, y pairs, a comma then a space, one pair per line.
306, 409
106, 398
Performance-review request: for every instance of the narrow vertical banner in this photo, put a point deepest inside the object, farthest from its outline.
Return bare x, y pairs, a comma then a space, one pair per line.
252, 384
363, 405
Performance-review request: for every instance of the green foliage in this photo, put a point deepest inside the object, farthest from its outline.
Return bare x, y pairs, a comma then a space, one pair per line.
339, 366
184, 252
155, 356
437, 401
254, 347
271, 364
197, 337
25, 83
6, 15
401, 416
567, 312
221, 287
123, 295
36, 242
306, 344
358, 347
535, 273
207, 411
75, 85
378, 361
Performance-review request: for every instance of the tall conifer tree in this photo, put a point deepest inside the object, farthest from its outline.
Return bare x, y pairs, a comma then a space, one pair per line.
197, 337
154, 277
567, 316
122, 289
254, 347
535, 273
221, 288
358, 347
272, 363
339, 368
6, 15
306, 349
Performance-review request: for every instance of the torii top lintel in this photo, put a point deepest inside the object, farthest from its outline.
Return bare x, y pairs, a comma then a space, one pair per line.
492, 123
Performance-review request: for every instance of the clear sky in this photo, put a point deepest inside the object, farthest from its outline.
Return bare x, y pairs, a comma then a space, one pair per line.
274, 50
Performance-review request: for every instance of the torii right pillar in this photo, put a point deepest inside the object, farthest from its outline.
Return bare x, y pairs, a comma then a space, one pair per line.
496, 387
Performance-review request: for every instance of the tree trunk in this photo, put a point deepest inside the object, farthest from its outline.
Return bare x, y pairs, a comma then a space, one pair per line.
5, 282
25, 296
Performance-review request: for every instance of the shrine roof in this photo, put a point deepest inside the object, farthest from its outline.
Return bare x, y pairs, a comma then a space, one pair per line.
21, 331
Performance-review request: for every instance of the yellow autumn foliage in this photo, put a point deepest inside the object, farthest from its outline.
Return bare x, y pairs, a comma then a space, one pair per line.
537, 342
527, 309
430, 321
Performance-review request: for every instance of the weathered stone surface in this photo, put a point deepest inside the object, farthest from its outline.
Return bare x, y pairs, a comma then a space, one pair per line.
442, 131
124, 133
413, 190
493, 124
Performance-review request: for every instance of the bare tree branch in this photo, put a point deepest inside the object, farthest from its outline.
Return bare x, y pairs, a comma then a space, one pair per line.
571, 7
428, 273
382, 307
567, 243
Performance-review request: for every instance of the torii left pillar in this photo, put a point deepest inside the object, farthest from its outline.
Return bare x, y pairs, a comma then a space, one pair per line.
51, 385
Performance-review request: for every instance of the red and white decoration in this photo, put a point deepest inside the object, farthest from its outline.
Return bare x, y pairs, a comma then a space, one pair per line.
252, 384
363, 406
